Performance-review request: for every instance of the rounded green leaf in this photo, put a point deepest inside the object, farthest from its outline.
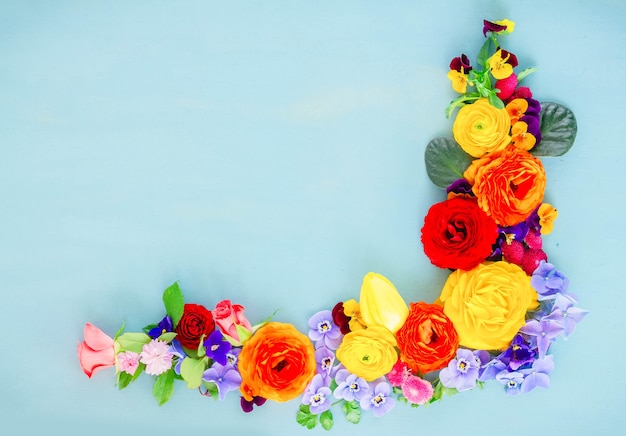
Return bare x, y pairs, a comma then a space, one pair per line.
445, 161
558, 130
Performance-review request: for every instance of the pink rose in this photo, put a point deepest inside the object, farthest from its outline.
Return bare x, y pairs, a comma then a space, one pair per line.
96, 351
227, 316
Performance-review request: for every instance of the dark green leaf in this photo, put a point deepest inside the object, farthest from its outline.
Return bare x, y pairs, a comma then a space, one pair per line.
326, 419
483, 53
558, 130
164, 387
352, 410
445, 161
174, 303
306, 418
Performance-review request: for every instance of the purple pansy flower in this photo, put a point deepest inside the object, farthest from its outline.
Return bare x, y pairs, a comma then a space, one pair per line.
378, 398
324, 359
462, 372
460, 186
165, 325
217, 347
177, 350
537, 376
233, 357
542, 333
349, 386
248, 406
512, 381
225, 377
518, 354
488, 26
317, 395
548, 281
323, 331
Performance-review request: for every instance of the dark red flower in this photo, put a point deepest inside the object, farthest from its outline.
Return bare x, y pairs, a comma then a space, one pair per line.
196, 321
341, 319
461, 64
488, 26
458, 234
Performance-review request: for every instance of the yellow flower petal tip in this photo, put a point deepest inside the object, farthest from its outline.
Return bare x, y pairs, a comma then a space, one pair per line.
381, 303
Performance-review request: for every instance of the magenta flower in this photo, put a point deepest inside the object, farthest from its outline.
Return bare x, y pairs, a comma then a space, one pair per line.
417, 390
128, 362
225, 377
317, 395
157, 357
398, 373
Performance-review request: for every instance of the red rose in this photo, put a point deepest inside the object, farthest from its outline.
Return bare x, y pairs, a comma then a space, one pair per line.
458, 234
195, 322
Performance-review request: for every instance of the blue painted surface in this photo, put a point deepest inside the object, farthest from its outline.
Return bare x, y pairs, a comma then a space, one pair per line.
272, 153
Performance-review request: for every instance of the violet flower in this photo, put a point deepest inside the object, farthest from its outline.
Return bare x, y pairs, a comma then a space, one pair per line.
462, 372
233, 357
565, 314
378, 398
491, 369
349, 386
177, 350
542, 333
217, 347
537, 376
461, 64
488, 26
460, 186
164, 326
324, 331
248, 406
317, 395
518, 353
548, 281
512, 381
225, 377
324, 359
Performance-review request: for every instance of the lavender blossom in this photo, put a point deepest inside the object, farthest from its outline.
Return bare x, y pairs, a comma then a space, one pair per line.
462, 372
350, 387
378, 398
317, 395
565, 314
548, 281
324, 331
538, 375
225, 377
512, 381
542, 333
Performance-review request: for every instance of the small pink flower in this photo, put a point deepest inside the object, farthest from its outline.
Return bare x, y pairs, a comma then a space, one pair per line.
128, 361
398, 373
227, 316
417, 390
156, 356
96, 351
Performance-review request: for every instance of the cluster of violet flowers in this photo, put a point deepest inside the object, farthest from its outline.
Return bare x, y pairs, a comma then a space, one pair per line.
525, 364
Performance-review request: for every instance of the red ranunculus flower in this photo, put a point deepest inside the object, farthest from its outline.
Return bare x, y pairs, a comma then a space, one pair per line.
458, 234
196, 321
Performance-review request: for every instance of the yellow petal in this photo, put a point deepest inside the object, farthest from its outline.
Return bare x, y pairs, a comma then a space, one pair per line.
381, 304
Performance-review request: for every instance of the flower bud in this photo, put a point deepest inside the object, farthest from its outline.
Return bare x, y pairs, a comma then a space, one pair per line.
381, 304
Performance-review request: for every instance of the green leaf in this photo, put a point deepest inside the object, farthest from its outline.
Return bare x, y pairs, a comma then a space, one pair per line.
167, 337
191, 370
164, 387
352, 410
495, 101
326, 419
174, 303
558, 130
305, 418
212, 390
445, 161
119, 332
133, 341
124, 379
483, 54
525, 73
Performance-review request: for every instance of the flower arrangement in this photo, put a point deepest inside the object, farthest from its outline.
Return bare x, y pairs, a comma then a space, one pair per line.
500, 309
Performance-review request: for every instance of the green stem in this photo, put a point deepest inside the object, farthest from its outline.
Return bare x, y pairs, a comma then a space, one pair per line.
460, 101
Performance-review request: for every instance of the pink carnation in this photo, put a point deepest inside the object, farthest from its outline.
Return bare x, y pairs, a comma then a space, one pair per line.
156, 356
398, 373
128, 361
417, 390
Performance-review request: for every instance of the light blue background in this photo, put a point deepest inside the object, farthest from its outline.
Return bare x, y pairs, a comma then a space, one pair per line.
272, 153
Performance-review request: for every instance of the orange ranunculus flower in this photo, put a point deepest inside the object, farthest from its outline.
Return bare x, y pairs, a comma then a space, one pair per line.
488, 304
428, 339
509, 185
276, 363
481, 128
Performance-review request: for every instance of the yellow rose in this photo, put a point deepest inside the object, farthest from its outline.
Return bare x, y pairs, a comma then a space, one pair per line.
488, 304
369, 353
481, 128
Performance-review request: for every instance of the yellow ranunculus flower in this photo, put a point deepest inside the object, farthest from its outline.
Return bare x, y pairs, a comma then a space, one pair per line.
481, 128
381, 304
488, 304
369, 353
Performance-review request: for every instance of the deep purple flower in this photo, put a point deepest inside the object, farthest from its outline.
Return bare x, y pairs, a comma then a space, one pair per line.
248, 406
518, 354
461, 64
324, 359
165, 325
317, 395
512, 381
217, 347
488, 26
177, 350
460, 186
533, 220
515, 233
542, 333
324, 331
538, 374
378, 398
566, 314
462, 372
225, 377
349, 386
548, 281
